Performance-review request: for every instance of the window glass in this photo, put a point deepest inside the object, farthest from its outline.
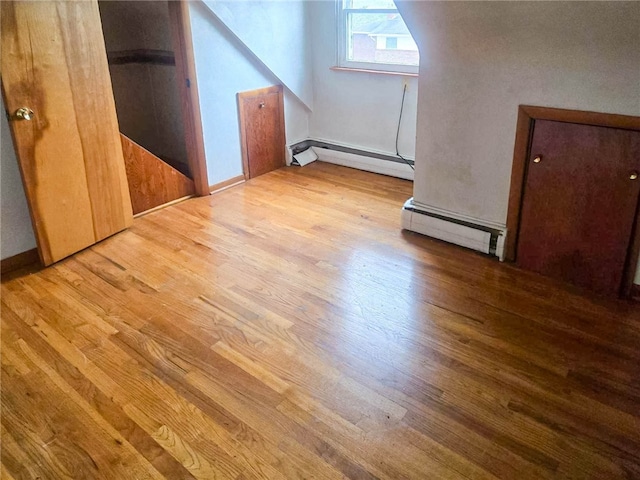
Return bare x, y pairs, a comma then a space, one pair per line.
377, 37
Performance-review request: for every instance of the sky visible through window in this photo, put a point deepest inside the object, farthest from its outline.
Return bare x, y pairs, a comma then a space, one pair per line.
378, 37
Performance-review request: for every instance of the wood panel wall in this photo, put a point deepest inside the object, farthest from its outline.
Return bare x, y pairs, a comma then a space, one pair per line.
152, 182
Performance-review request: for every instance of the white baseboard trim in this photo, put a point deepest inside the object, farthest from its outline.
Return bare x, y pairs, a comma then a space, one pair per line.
375, 165
458, 229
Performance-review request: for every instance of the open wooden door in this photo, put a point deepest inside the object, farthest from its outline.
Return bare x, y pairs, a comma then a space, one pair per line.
57, 90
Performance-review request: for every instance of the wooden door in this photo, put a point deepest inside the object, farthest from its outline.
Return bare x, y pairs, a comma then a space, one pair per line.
579, 204
262, 130
54, 63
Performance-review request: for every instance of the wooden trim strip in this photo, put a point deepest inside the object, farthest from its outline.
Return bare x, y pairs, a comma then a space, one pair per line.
232, 182
261, 91
283, 133
612, 120
632, 258
189, 97
527, 114
243, 136
518, 174
142, 55
21, 260
164, 205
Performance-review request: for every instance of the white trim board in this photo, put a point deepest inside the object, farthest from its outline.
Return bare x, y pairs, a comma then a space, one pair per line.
457, 229
361, 162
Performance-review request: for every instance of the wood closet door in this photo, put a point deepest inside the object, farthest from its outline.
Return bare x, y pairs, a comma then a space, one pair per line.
262, 130
54, 63
580, 203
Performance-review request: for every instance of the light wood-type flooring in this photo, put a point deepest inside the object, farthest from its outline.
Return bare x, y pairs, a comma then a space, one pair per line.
288, 329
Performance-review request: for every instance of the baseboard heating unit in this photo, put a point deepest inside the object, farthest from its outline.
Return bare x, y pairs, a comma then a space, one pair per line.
370, 161
453, 228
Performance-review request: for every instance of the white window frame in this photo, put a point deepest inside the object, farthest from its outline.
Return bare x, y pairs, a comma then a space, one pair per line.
343, 61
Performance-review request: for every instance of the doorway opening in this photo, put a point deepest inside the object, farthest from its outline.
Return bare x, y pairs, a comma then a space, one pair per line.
146, 49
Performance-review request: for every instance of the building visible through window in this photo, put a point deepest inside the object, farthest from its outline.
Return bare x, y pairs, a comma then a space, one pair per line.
374, 36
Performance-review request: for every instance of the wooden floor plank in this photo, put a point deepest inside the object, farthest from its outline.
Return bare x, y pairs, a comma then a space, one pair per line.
287, 328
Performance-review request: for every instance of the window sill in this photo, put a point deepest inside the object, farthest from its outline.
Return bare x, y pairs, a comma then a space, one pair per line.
365, 70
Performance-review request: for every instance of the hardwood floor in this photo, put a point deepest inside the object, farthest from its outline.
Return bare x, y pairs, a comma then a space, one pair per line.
287, 328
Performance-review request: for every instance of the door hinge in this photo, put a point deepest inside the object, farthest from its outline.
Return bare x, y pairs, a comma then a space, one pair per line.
188, 83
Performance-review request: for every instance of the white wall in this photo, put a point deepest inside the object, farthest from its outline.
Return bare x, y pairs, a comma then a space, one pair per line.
16, 233
274, 30
224, 68
356, 109
480, 60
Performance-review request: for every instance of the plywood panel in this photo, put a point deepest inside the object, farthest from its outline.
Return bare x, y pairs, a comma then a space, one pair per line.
152, 182
54, 62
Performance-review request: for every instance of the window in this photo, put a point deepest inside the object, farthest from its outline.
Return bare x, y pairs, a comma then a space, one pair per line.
373, 35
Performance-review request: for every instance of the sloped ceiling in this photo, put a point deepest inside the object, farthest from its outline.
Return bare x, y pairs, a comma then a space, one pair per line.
275, 34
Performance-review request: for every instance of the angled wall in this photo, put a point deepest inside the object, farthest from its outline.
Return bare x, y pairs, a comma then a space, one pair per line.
275, 32
480, 60
225, 67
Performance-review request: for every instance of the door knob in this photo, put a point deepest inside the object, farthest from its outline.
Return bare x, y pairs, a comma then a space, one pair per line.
261, 105
24, 113
633, 175
538, 159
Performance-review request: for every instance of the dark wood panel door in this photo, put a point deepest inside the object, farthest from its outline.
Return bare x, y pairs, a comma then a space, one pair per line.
262, 130
579, 204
